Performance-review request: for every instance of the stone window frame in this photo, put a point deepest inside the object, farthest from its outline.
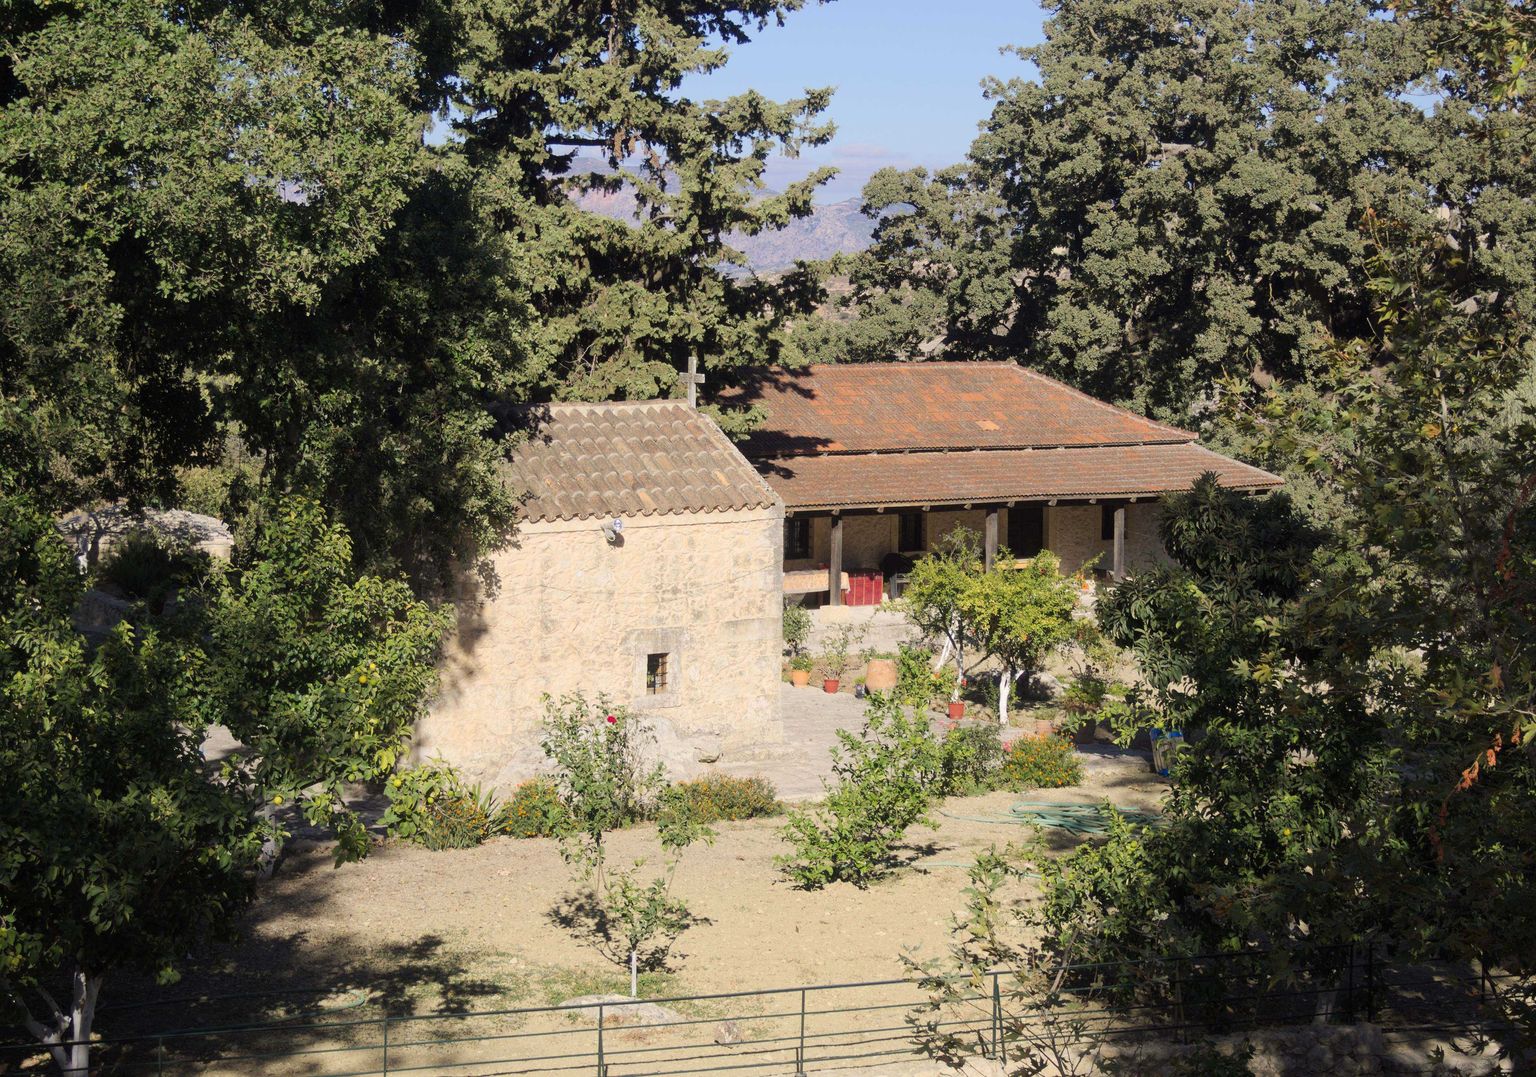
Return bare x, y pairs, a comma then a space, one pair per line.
639, 645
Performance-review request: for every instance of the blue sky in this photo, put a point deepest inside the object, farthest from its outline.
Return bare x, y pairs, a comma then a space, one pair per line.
907, 74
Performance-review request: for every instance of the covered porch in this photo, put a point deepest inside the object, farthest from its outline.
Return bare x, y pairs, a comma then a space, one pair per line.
859, 556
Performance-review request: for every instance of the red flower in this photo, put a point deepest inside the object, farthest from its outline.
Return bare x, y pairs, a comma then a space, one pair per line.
612, 719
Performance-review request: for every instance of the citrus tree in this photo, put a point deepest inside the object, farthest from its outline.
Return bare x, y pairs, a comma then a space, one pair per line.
937, 596
1019, 617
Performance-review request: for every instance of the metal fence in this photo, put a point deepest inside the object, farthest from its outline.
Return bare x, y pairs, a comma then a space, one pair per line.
831, 1027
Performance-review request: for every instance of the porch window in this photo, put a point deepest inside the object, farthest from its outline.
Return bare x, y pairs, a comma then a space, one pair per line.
657, 673
797, 537
911, 540
1026, 529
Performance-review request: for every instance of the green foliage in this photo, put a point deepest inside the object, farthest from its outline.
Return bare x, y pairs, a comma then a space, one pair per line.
534, 810
1040, 763
918, 684
936, 592
1017, 616
1020, 616
320, 671
630, 915
797, 628
1177, 197
430, 805
717, 797
802, 662
883, 778
603, 780
270, 250
970, 757
149, 568
840, 643
115, 849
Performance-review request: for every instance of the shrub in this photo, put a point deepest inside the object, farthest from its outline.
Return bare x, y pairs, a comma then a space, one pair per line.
430, 805
917, 683
534, 810
601, 777
797, 628
721, 797
1040, 763
969, 759
840, 643
148, 568
884, 777
802, 662
1085, 695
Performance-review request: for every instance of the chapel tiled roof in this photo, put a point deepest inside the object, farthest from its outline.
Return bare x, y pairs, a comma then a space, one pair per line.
863, 407
1000, 475
955, 433
640, 458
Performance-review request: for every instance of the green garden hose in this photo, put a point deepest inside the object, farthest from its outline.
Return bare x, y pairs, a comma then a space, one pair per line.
1084, 819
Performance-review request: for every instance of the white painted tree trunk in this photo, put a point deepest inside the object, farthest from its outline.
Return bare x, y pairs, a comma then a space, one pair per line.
67, 1035
634, 974
1005, 681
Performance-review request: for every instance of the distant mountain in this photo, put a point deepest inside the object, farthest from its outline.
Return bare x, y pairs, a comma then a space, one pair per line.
838, 228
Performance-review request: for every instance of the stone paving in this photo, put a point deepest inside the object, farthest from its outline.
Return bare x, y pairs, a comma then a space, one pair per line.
812, 718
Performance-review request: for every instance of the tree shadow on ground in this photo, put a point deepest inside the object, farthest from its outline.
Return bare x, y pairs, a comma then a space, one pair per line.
582, 914
276, 972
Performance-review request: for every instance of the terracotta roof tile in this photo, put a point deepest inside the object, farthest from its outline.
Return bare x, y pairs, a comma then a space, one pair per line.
993, 475
946, 478
644, 458
862, 407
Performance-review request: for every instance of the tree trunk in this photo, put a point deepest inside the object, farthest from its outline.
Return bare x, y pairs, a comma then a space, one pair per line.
634, 974
1004, 688
67, 1036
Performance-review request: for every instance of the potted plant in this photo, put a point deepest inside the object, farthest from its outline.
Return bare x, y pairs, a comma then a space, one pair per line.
800, 668
835, 658
956, 704
797, 629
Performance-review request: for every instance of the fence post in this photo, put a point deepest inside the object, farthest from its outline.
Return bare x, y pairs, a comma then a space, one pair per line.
386, 1045
1370, 980
602, 1066
999, 1043
160, 1055
1350, 985
800, 1050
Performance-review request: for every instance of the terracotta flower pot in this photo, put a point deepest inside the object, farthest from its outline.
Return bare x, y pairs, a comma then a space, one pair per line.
1044, 727
880, 675
957, 710
799, 677
829, 685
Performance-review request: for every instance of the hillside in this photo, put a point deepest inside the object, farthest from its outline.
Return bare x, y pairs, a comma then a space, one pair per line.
837, 228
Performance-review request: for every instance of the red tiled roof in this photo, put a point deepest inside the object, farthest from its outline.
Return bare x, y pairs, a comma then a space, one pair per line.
993, 475
955, 433
863, 407
643, 458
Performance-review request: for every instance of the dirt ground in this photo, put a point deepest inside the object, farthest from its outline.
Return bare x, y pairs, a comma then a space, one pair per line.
412, 931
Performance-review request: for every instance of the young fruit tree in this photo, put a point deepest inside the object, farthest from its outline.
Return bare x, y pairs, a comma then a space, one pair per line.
604, 781
935, 597
1020, 616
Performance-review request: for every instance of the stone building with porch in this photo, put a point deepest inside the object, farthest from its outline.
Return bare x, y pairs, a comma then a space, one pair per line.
876, 462
647, 568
